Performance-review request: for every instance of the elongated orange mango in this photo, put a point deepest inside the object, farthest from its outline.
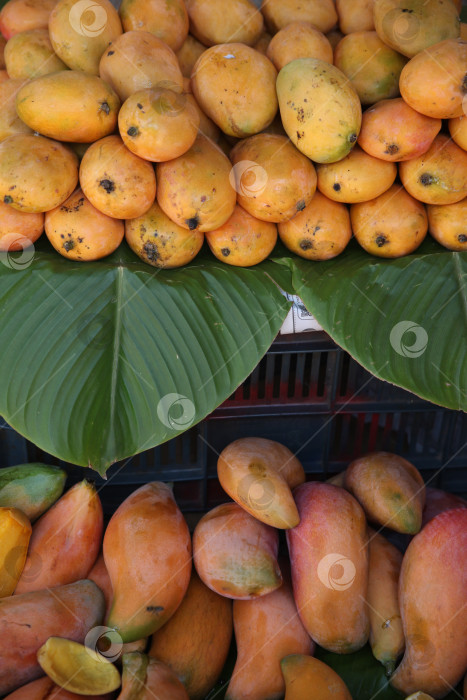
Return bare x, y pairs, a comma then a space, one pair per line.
390, 489
386, 633
145, 678
65, 541
329, 561
259, 475
195, 641
28, 620
15, 531
236, 554
433, 601
147, 552
307, 677
266, 630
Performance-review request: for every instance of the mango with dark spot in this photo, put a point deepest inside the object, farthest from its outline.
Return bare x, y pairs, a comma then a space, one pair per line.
317, 100
448, 224
391, 225
69, 106
319, 232
160, 242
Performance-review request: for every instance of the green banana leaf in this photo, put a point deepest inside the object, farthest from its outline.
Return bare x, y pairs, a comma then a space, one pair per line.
104, 360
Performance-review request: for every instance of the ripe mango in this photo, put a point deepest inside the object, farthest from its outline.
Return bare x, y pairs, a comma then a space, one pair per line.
235, 86
145, 678
355, 15
81, 33
195, 642
188, 54
18, 231
168, 21
458, 130
319, 232
147, 552
320, 109
65, 541
158, 241
22, 15
10, 123
157, 64
438, 501
28, 620
266, 630
279, 13
301, 673
329, 561
32, 487
115, 180
235, 554
390, 489
392, 130
274, 181
213, 23
434, 81
36, 174
439, 176
77, 668
372, 67
259, 475
447, 224
69, 106
15, 531
386, 634
432, 597
298, 40
30, 55
410, 27
195, 190
243, 240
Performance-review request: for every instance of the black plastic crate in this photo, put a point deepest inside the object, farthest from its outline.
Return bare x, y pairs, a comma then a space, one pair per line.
307, 393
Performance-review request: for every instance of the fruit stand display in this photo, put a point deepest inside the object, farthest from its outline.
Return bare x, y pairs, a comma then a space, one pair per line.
171, 174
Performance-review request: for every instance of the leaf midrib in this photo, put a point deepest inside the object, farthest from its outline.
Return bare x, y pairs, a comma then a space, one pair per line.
115, 355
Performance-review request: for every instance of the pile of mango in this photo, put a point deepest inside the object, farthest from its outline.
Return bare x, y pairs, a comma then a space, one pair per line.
165, 123
142, 609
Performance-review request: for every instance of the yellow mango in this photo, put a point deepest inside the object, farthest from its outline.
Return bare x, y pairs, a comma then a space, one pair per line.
30, 54
320, 109
15, 531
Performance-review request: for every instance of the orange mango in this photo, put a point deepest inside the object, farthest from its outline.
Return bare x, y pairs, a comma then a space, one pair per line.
259, 475
243, 240
235, 554
392, 130
147, 552
195, 190
195, 641
438, 501
447, 224
458, 130
298, 40
386, 634
390, 489
236, 87
329, 561
266, 630
15, 531
28, 620
188, 54
301, 673
168, 21
319, 232
433, 82
22, 15
432, 597
279, 13
18, 230
212, 24
355, 15
65, 541
145, 678
274, 181
439, 176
